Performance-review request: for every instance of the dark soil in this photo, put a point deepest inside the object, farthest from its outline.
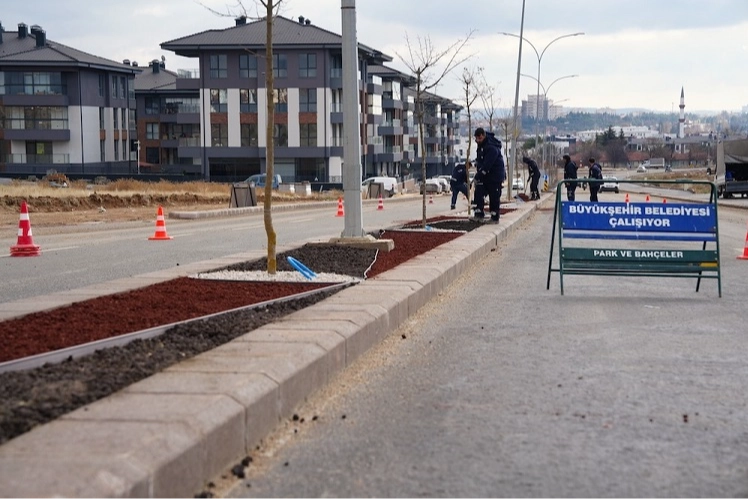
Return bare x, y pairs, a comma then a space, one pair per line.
36, 396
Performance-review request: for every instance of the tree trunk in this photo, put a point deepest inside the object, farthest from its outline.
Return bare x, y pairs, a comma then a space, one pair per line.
269, 145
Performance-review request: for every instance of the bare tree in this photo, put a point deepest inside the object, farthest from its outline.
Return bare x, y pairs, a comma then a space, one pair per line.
430, 66
472, 89
272, 8
489, 99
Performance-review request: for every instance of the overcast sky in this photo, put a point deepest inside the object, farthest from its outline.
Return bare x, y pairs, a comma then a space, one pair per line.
634, 53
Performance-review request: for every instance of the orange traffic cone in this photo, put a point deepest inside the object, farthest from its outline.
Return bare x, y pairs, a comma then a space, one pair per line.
744, 256
340, 212
664, 200
160, 234
647, 198
380, 206
25, 244
431, 199
627, 198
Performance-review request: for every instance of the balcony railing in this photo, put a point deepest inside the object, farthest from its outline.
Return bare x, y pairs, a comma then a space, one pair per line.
336, 107
38, 158
189, 142
392, 149
392, 123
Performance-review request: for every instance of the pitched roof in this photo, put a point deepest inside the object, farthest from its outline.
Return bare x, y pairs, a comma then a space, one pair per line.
15, 51
384, 71
286, 34
148, 80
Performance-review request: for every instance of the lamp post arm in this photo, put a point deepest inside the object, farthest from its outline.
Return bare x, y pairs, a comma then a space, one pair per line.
526, 41
540, 57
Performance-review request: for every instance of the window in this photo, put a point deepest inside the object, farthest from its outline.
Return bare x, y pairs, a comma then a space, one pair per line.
218, 135
152, 105
114, 87
280, 98
309, 134
102, 85
218, 100
21, 83
280, 135
247, 66
122, 88
131, 87
36, 118
102, 150
151, 155
247, 100
336, 66
218, 66
38, 152
101, 118
308, 100
280, 66
307, 65
116, 150
123, 121
115, 116
151, 131
249, 134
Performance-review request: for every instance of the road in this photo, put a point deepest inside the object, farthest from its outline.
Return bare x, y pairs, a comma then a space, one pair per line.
623, 387
89, 254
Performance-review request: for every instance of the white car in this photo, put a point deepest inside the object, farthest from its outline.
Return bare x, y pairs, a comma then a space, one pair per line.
517, 184
389, 184
444, 181
432, 185
609, 184
641, 169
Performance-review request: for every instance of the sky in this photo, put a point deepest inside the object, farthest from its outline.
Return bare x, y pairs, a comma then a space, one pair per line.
633, 53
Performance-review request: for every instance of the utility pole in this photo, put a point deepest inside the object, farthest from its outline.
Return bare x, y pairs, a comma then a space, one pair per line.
513, 159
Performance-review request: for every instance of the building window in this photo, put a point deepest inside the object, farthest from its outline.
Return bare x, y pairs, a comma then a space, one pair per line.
218, 100
123, 121
39, 152
152, 105
151, 131
115, 117
218, 135
247, 100
308, 134
151, 155
101, 118
280, 66
280, 98
249, 134
122, 88
114, 87
102, 85
218, 66
102, 150
307, 65
35, 118
22, 83
116, 150
247, 66
131, 87
308, 100
280, 135
336, 66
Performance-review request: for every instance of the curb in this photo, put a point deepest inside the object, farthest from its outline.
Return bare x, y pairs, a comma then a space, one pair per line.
170, 433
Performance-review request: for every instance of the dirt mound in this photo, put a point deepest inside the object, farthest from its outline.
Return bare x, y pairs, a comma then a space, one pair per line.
51, 204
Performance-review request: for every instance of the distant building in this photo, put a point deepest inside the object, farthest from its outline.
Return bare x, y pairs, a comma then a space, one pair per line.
63, 109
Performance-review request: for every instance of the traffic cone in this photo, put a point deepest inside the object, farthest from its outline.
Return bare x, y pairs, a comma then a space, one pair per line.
380, 206
664, 200
160, 234
647, 198
431, 199
627, 198
744, 256
340, 212
25, 244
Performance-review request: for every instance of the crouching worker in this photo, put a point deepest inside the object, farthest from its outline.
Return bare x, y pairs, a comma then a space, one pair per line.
458, 183
534, 171
490, 174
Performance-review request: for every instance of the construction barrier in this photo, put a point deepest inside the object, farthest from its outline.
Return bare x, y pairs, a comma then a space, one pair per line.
635, 229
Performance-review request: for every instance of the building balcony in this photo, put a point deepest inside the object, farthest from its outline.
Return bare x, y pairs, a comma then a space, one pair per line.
35, 159
47, 135
189, 142
391, 104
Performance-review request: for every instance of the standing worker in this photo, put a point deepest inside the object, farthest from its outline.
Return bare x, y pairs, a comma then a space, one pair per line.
490, 174
570, 172
458, 183
532, 166
596, 172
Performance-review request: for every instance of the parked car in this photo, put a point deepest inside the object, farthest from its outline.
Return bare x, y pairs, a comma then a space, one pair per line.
259, 180
432, 185
609, 184
518, 184
641, 169
444, 181
389, 183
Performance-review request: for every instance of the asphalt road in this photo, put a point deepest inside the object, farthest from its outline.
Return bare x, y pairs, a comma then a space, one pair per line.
623, 387
77, 256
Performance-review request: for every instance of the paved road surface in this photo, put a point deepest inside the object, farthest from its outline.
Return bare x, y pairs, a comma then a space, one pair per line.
623, 387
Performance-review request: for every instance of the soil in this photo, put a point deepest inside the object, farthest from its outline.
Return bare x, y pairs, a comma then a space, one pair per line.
36, 396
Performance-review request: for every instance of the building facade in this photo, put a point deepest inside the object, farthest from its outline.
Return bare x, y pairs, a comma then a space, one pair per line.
62, 109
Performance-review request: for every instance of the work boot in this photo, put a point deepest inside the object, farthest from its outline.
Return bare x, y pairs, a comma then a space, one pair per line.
478, 215
451, 207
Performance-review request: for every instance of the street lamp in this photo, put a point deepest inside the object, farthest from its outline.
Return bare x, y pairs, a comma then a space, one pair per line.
545, 101
540, 58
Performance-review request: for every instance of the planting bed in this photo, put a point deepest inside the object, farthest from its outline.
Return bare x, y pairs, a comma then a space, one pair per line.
32, 397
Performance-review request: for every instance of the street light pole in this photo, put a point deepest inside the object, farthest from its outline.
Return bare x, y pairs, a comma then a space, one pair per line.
539, 55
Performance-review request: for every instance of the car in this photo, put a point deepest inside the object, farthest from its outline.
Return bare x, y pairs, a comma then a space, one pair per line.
259, 180
444, 181
517, 184
432, 185
389, 184
641, 169
609, 184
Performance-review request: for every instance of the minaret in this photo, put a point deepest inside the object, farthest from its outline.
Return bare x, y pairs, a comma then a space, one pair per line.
682, 119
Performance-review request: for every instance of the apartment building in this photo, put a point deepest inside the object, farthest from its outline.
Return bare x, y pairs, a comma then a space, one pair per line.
228, 134
62, 109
